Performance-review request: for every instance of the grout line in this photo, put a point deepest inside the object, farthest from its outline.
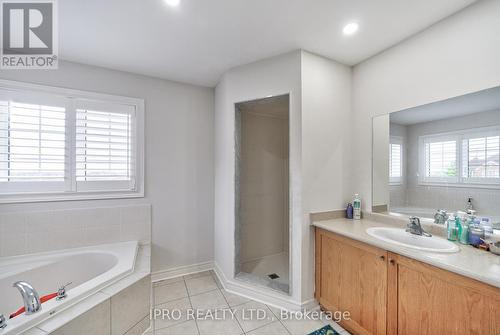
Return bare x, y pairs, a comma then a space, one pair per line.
167, 302
190, 304
194, 295
174, 325
233, 312
146, 316
280, 321
259, 327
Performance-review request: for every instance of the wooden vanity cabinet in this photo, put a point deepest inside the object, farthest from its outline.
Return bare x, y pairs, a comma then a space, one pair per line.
386, 293
423, 299
352, 276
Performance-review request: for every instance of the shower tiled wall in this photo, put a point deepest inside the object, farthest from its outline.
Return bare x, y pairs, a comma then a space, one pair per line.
32, 232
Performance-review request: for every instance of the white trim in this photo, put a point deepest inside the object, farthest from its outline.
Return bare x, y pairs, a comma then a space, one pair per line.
73, 96
260, 294
291, 177
181, 271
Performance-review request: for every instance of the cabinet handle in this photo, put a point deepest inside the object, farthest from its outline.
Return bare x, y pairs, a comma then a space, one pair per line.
382, 258
392, 261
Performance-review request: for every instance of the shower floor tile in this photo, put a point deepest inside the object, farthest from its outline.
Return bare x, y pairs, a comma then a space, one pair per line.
274, 264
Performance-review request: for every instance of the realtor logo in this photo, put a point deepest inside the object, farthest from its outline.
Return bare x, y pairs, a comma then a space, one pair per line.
29, 38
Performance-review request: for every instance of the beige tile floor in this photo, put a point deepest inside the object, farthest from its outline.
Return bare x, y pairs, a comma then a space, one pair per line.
203, 291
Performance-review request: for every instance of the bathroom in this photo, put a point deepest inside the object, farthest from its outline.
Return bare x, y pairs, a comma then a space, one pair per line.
209, 167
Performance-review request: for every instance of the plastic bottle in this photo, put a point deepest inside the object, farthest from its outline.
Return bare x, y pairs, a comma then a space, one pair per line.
356, 203
463, 236
349, 211
458, 225
476, 233
451, 228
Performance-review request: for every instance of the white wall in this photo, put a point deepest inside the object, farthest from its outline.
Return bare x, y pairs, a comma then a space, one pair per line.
178, 157
456, 56
275, 76
326, 146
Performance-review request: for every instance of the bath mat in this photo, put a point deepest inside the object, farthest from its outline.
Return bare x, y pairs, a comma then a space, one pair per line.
326, 330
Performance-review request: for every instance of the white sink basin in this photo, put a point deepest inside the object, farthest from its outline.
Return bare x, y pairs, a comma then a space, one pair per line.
401, 237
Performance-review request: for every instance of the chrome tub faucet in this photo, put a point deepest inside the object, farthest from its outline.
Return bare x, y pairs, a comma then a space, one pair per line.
3, 322
415, 228
31, 300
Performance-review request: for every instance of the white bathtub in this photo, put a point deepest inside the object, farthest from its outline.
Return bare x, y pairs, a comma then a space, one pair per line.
89, 269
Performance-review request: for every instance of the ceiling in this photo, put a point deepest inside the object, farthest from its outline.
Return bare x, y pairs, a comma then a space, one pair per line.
199, 40
482, 101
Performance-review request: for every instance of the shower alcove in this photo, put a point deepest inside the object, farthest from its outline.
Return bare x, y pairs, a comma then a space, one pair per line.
262, 192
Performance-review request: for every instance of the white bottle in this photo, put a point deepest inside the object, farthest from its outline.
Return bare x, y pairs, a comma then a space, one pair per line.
356, 203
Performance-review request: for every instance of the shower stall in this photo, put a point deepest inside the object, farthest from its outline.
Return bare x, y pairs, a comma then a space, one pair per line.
262, 192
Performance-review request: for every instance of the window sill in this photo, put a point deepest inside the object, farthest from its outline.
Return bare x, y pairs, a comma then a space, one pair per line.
50, 197
469, 185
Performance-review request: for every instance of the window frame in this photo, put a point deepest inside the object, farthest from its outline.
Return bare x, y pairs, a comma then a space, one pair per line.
72, 95
460, 180
396, 181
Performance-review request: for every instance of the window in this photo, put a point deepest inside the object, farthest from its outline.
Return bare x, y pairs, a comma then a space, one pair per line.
481, 159
58, 144
477, 162
441, 159
395, 161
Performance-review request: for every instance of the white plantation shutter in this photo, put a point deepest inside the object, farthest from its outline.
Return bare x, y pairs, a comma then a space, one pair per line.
441, 159
470, 156
395, 162
104, 146
481, 161
58, 144
33, 153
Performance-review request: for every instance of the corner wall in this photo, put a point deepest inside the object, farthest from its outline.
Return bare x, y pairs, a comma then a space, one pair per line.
326, 147
456, 56
320, 91
270, 77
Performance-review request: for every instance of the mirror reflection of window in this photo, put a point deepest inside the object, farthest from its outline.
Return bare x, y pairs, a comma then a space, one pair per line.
396, 160
440, 155
481, 157
439, 159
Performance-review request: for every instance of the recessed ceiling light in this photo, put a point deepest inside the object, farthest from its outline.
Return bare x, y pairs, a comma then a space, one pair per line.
350, 28
173, 3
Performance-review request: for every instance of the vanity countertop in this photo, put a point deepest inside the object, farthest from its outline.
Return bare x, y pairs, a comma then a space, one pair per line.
469, 261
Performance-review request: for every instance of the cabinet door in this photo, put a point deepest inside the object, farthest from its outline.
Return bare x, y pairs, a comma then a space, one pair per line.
352, 277
427, 300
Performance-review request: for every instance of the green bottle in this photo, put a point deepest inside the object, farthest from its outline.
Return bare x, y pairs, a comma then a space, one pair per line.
451, 226
458, 224
463, 236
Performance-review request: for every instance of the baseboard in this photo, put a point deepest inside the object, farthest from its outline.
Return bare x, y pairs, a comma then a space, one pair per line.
181, 271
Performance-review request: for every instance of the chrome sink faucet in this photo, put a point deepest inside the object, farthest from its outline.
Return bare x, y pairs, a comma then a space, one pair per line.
415, 228
441, 217
31, 300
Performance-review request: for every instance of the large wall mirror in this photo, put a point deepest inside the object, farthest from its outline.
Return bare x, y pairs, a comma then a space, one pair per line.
440, 156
